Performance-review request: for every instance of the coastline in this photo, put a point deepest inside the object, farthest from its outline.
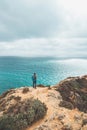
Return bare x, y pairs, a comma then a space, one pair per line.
63, 111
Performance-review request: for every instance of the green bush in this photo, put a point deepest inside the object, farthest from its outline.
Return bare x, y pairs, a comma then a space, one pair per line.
12, 123
22, 115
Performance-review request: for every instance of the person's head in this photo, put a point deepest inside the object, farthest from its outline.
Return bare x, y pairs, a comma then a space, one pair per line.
34, 73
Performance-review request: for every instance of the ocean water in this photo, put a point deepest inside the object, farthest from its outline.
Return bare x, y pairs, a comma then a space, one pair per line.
17, 71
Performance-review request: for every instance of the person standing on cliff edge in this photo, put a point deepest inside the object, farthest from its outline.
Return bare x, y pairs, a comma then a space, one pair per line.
34, 79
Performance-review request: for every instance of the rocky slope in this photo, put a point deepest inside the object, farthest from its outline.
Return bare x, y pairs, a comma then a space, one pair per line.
74, 92
66, 103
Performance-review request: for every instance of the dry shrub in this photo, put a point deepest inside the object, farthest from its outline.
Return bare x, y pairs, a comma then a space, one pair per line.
25, 90
22, 114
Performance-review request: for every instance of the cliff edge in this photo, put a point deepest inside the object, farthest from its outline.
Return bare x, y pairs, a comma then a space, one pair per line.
64, 105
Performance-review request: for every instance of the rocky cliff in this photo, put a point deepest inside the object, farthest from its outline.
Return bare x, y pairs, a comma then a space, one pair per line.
64, 105
74, 93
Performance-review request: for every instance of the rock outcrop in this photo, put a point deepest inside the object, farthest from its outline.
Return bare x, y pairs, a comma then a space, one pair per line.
66, 104
74, 93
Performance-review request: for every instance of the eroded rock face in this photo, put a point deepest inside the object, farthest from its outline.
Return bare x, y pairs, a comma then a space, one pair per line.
74, 93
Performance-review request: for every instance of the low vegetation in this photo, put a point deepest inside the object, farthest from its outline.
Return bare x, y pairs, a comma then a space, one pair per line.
25, 90
74, 93
22, 114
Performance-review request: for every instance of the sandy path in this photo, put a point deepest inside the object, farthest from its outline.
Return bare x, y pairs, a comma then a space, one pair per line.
51, 98
48, 97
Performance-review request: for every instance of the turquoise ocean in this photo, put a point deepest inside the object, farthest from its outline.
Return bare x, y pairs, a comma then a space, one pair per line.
17, 71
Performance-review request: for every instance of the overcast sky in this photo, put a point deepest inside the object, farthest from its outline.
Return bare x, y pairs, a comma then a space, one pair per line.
55, 28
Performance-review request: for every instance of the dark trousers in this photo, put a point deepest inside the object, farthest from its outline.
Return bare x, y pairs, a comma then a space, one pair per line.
34, 84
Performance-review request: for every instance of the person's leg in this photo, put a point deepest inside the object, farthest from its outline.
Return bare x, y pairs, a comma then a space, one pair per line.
35, 84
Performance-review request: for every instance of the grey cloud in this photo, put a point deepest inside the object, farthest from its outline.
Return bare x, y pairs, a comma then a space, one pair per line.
26, 19
43, 28
21, 19
42, 47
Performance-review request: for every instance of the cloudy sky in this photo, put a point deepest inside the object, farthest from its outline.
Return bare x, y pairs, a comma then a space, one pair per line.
55, 28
